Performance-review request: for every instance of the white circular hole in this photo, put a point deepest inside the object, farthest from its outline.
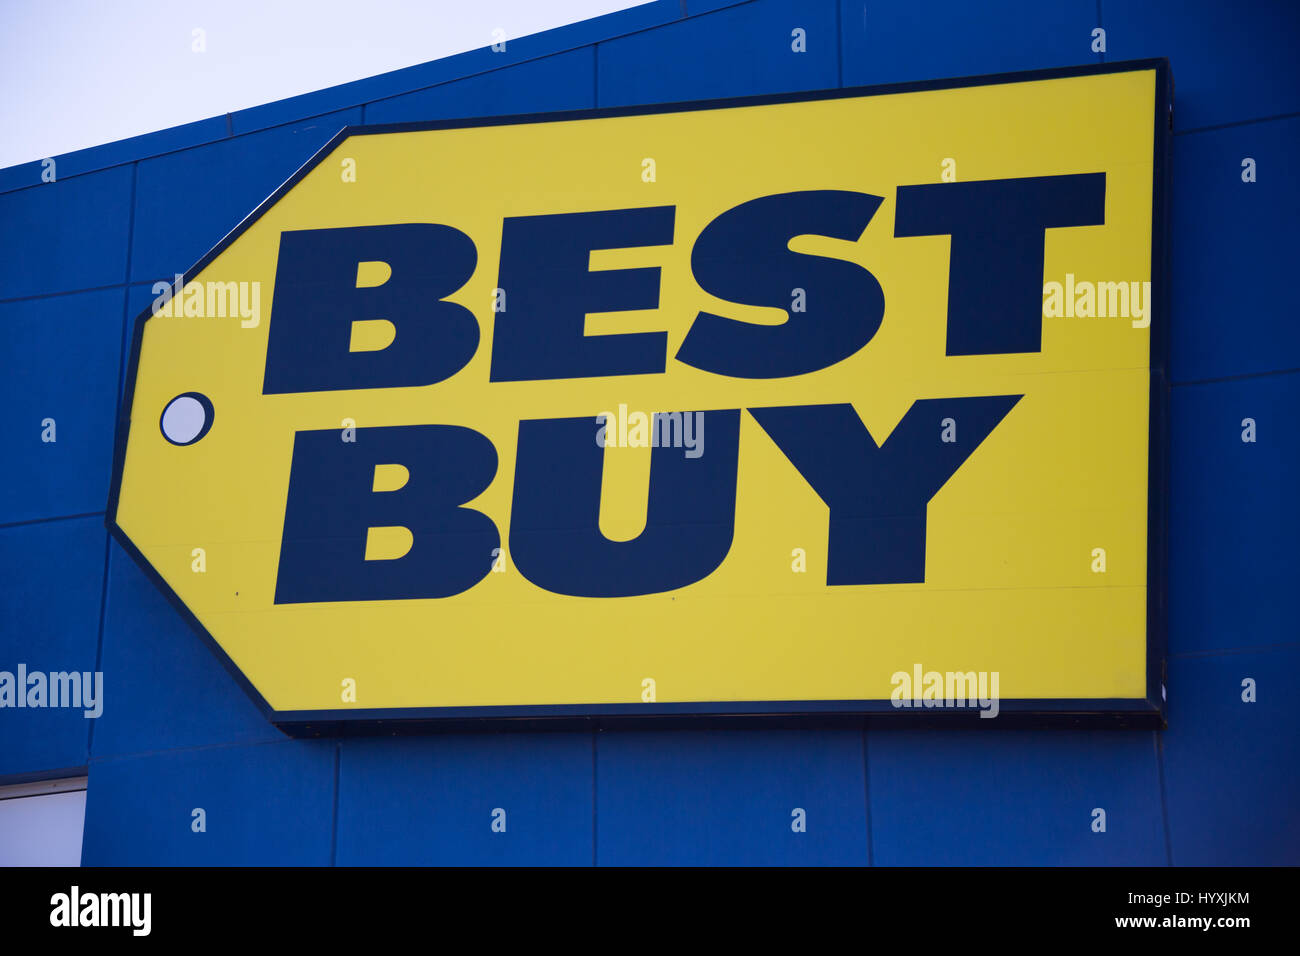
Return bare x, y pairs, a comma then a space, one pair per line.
183, 420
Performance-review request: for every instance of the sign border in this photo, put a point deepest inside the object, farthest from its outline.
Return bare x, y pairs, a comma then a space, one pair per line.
1148, 711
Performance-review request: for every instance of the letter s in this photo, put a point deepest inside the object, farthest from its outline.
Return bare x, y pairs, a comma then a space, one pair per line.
744, 256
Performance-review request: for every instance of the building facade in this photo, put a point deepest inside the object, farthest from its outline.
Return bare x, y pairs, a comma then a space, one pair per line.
183, 769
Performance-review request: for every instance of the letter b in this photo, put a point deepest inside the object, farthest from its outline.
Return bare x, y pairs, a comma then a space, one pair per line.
317, 299
333, 505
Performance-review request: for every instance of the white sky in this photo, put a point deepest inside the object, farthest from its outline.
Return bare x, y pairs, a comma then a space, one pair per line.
77, 73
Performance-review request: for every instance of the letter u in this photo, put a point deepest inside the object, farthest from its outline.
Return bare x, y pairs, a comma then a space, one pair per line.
555, 535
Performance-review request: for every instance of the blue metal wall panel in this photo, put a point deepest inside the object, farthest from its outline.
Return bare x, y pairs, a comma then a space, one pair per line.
696, 7
897, 42
1232, 769
52, 576
22, 175
265, 804
59, 360
737, 51
139, 297
1234, 252
707, 798
565, 81
1231, 61
168, 690
1234, 514
65, 236
117, 153
432, 801
188, 200
989, 797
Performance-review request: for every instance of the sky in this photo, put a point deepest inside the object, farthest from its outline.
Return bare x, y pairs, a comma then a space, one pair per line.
78, 73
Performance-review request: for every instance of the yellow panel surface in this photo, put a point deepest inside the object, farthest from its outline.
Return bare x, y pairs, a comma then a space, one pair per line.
1009, 580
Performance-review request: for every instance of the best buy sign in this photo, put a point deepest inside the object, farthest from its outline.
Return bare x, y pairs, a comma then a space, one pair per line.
738, 406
